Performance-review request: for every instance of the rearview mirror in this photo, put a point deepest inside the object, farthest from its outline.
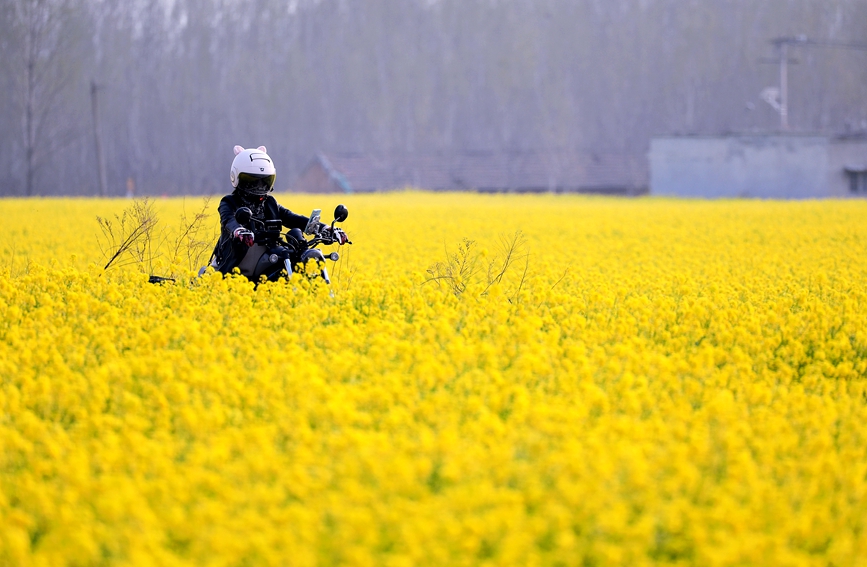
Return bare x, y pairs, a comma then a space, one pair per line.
340, 213
243, 215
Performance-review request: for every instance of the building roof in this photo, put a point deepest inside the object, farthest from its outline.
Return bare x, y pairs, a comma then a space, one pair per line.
485, 171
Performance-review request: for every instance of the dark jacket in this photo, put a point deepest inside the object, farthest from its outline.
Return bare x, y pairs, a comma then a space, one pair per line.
229, 250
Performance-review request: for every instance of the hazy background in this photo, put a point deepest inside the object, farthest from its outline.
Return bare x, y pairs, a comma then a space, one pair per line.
179, 82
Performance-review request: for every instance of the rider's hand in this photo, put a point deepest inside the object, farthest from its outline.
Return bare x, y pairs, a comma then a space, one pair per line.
340, 236
243, 235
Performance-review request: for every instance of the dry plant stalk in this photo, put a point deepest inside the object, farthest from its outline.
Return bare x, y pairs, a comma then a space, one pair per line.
127, 238
462, 267
194, 241
133, 236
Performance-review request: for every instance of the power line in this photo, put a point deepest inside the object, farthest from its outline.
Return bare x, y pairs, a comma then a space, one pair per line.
804, 40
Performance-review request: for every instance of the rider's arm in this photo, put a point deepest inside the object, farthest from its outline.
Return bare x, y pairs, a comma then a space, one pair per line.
290, 219
227, 215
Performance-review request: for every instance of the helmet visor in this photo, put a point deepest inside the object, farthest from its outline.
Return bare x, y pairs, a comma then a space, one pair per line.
255, 184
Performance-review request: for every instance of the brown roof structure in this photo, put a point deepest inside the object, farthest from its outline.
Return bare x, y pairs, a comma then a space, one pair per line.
613, 173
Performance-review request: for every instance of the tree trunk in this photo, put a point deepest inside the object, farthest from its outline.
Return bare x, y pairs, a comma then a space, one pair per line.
100, 162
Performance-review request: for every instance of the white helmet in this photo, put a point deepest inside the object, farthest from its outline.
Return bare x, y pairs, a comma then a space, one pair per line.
253, 171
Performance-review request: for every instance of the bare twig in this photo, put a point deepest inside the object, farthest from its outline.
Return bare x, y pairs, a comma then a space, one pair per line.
129, 234
561, 278
133, 237
511, 251
339, 268
192, 240
517, 296
461, 268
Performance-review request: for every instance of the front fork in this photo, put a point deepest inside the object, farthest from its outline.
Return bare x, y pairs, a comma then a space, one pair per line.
323, 272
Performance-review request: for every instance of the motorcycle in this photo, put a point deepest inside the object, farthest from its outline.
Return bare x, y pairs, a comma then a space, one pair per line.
276, 255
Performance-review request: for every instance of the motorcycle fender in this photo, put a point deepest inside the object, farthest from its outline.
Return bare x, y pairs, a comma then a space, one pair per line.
312, 254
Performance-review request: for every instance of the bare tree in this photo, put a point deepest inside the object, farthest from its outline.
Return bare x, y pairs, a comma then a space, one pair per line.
183, 81
45, 77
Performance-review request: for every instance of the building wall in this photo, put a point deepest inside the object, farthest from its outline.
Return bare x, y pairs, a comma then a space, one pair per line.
314, 179
845, 153
775, 166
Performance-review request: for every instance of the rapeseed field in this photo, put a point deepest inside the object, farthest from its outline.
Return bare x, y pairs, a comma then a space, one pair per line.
490, 380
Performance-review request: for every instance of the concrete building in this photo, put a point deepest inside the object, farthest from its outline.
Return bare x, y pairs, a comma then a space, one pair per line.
772, 166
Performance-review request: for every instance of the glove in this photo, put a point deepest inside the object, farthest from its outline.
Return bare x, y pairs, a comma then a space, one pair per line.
243, 235
340, 237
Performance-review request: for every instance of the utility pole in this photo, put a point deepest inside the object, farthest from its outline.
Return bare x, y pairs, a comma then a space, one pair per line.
782, 44
784, 86
100, 161
782, 60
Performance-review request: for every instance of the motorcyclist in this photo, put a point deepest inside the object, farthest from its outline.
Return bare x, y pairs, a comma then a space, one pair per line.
252, 176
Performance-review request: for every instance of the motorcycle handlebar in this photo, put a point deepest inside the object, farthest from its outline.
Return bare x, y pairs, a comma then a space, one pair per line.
266, 233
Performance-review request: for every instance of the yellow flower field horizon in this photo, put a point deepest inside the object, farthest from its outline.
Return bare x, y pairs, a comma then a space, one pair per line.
649, 382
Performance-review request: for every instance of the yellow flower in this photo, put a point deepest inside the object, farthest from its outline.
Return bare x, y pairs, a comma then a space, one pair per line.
671, 382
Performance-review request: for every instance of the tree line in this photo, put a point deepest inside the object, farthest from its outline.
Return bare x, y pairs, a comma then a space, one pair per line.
152, 96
